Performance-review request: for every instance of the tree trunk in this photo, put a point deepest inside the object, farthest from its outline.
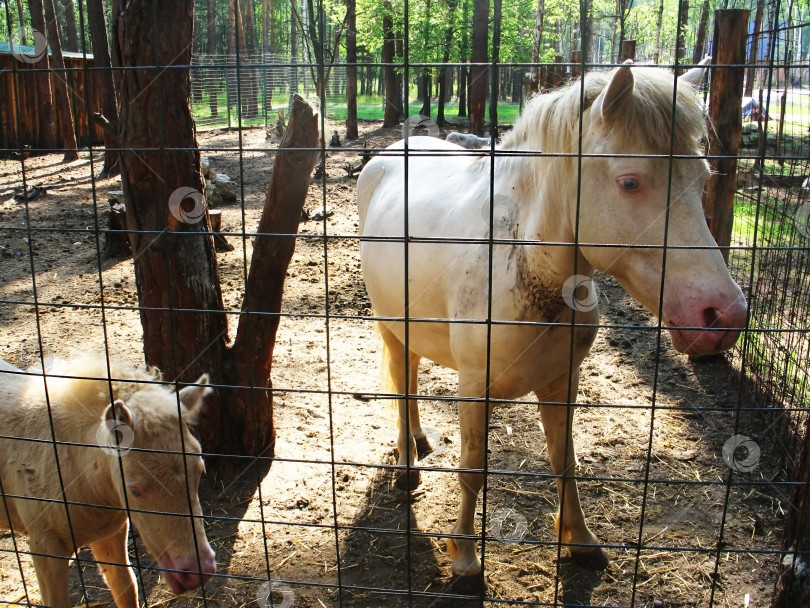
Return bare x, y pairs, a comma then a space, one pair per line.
213, 89
534, 82
251, 86
71, 36
588, 34
351, 70
183, 318
243, 84
175, 263
754, 52
392, 102
478, 73
792, 587
659, 19
174, 259
424, 78
42, 79
21, 22
67, 130
680, 44
447, 45
104, 78
293, 49
265, 27
700, 38
725, 95
272, 25
496, 82
463, 72
249, 21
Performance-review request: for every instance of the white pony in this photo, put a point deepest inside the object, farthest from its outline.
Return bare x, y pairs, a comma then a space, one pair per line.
495, 278
123, 451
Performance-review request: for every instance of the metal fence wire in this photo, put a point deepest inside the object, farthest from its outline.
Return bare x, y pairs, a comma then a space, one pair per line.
683, 463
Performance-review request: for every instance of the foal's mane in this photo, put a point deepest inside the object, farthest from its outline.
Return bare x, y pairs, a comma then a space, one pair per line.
83, 383
550, 122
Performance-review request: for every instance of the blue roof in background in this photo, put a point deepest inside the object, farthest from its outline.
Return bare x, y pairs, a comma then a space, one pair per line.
5, 49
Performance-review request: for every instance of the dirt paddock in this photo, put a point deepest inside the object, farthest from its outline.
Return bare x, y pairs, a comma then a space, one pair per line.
325, 520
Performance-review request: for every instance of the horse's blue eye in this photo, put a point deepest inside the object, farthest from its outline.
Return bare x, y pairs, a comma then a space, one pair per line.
628, 183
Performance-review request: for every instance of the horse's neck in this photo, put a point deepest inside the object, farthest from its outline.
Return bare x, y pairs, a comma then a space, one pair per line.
545, 195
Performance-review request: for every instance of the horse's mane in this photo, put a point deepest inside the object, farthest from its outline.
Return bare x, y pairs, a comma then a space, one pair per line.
550, 122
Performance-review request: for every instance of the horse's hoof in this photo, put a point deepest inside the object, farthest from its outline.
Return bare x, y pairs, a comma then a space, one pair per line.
408, 480
594, 559
467, 584
423, 447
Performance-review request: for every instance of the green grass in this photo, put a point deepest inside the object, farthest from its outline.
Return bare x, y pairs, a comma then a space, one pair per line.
369, 107
373, 109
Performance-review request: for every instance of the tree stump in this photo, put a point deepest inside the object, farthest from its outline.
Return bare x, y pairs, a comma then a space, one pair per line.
116, 241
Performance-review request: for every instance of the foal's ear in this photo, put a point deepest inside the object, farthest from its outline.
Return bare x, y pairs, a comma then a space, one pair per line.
120, 418
191, 396
119, 413
612, 100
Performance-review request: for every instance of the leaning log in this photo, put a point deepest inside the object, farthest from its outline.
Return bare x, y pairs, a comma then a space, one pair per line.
252, 351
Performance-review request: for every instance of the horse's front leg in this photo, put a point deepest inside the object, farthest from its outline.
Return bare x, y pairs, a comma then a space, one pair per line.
467, 572
111, 553
570, 523
52, 572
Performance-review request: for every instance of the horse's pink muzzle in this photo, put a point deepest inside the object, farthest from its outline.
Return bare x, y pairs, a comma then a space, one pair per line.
183, 574
712, 329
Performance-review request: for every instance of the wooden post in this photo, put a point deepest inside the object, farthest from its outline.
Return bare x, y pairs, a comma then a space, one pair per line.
554, 74
576, 64
725, 114
628, 50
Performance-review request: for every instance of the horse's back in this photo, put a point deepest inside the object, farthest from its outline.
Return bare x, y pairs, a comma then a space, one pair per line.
440, 177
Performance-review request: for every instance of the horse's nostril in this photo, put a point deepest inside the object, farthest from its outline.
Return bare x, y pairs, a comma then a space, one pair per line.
711, 317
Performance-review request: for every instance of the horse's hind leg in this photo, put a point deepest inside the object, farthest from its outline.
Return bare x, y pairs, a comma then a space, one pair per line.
473, 420
411, 440
571, 527
111, 553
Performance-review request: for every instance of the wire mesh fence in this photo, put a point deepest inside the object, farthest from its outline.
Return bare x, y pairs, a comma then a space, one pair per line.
772, 234
246, 90
680, 480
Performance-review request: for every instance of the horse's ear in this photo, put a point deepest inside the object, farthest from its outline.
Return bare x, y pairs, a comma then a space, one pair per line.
695, 76
191, 396
616, 94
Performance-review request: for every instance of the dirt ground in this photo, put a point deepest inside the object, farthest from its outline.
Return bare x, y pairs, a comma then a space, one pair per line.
325, 522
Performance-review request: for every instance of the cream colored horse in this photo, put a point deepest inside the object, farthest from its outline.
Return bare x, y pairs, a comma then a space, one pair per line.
123, 452
602, 175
